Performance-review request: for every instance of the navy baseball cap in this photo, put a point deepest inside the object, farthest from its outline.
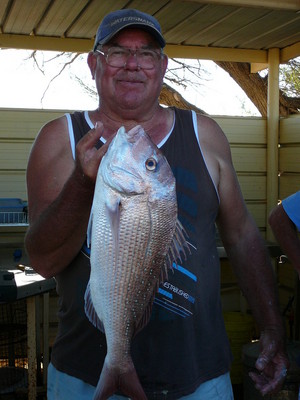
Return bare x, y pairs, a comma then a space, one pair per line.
115, 21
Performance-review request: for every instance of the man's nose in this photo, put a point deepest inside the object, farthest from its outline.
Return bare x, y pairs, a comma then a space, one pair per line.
132, 62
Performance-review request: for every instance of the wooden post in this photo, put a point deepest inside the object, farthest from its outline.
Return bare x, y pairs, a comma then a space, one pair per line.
272, 133
46, 338
31, 347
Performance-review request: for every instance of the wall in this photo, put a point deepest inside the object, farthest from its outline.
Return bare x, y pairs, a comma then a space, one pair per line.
247, 136
289, 156
18, 129
289, 182
248, 141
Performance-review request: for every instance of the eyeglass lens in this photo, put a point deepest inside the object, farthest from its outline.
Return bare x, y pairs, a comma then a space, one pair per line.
118, 57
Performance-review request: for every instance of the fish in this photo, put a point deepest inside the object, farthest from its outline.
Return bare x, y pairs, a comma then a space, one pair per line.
135, 236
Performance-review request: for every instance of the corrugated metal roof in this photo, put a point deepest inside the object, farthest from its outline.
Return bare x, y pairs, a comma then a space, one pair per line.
223, 24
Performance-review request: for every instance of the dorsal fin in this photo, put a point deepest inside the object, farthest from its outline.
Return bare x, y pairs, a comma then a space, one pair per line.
178, 245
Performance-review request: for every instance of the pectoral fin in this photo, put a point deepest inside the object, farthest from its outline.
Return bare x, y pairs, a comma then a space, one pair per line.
89, 229
114, 215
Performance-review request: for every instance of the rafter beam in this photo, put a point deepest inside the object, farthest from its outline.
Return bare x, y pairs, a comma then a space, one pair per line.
257, 67
289, 52
45, 43
173, 51
217, 53
271, 4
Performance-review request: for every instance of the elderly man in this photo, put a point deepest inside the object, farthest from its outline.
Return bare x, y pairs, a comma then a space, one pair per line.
183, 352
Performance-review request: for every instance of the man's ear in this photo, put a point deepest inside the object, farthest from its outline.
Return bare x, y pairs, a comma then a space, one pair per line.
165, 62
92, 63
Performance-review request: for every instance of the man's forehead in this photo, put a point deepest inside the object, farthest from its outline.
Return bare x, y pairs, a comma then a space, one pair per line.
136, 35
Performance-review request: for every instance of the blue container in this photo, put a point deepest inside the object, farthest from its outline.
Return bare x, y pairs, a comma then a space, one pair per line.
12, 211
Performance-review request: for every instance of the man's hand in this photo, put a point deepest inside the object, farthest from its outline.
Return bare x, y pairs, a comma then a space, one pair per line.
88, 157
272, 363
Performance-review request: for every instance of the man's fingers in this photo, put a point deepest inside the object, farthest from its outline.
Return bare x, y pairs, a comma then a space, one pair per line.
262, 361
92, 137
266, 384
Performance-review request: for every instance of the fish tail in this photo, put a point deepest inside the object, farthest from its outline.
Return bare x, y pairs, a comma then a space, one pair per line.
127, 384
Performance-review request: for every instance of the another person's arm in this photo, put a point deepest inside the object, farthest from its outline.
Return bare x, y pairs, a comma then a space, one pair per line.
286, 235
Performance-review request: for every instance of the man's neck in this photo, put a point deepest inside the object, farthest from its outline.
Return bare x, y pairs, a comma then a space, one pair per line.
157, 124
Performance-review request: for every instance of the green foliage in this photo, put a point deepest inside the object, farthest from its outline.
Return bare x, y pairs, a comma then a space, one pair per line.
290, 78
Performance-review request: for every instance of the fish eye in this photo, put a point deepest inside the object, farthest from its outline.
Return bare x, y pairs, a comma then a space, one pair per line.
151, 164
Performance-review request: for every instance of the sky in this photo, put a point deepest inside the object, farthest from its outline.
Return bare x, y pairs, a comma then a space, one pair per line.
23, 85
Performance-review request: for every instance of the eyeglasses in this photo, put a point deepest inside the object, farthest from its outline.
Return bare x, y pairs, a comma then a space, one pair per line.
117, 57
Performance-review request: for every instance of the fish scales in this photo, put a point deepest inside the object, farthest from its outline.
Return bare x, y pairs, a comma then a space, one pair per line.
132, 225
136, 248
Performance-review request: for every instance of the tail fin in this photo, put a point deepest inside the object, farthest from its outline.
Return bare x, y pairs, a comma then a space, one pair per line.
127, 384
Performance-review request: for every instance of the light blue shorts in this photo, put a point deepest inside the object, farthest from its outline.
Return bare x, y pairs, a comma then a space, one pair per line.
65, 387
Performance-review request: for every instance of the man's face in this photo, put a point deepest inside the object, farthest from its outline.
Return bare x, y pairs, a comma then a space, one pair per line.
128, 87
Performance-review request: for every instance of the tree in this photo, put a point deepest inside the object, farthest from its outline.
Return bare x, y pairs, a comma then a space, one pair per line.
187, 72
179, 73
290, 74
170, 97
256, 85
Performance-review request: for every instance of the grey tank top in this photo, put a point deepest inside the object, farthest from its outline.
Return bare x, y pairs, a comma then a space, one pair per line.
185, 342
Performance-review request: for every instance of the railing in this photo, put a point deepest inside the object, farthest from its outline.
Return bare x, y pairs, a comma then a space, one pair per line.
13, 218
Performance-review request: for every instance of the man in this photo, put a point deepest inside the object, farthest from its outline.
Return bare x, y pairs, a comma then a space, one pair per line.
183, 352
284, 220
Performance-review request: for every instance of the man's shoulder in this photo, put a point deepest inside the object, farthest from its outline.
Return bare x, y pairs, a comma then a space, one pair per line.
54, 128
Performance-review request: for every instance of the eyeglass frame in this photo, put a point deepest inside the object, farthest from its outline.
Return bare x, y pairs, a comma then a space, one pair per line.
130, 52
